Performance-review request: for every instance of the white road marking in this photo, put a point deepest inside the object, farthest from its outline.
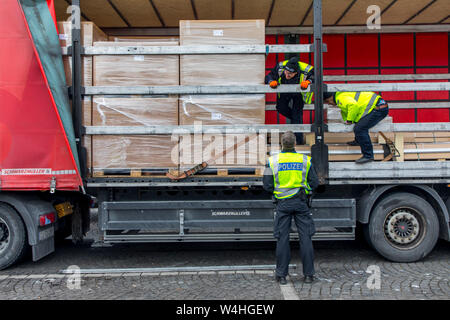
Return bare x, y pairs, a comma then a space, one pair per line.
289, 292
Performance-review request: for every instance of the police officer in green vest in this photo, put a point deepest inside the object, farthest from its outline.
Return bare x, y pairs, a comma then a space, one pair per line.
291, 177
292, 71
365, 110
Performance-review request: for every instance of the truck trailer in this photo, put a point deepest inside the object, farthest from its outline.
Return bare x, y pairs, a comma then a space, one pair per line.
47, 191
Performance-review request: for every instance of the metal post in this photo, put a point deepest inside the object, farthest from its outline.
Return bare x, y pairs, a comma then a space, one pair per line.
319, 151
77, 113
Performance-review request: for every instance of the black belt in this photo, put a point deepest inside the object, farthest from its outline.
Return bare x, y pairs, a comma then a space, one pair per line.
301, 194
382, 106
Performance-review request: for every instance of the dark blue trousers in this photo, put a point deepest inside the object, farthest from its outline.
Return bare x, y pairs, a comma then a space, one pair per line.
295, 114
362, 127
286, 210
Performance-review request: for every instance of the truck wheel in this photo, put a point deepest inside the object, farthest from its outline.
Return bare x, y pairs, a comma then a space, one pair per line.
403, 227
13, 243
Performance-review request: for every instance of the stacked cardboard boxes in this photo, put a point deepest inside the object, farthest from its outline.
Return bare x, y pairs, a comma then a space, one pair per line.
90, 34
134, 151
216, 69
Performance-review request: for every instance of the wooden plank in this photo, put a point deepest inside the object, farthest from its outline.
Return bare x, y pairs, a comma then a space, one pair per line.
332, 10
139, 13
310, 139
421, 155
286, 13
222, 172
252, 9
400, 145
433, 14
402, 10
209, 10
172, 11
357, 15
101, 13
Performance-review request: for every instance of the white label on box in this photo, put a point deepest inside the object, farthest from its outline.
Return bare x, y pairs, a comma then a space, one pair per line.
216, 116
139, 58
63, 36
218, 33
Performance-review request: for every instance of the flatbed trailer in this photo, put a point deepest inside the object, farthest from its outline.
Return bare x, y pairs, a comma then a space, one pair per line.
402, 207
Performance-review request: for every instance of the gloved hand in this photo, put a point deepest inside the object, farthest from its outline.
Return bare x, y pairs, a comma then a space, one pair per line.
305, 84
273, 84
348, 122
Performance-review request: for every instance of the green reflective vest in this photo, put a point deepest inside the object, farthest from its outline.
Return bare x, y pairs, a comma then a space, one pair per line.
355, 105
290, 174
304, 69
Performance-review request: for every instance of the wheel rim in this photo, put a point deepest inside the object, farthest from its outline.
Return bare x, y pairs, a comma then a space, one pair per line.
404, 228
4, 235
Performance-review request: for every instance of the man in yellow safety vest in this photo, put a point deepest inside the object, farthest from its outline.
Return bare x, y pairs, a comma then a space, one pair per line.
291, 177
365, 110
292, 71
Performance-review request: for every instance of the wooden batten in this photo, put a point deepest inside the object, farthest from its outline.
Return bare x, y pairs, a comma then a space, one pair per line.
207, 10
286, 14
332, 11
138, 13
172, 11
433, 14
102, 13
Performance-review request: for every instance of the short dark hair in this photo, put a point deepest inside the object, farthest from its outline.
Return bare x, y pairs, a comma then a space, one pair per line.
327, 95
288, 140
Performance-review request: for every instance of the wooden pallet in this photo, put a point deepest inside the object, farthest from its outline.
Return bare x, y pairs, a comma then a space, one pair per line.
132, 173
232, 172
142, 173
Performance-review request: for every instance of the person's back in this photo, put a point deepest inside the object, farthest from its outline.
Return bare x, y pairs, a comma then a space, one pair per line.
291, 177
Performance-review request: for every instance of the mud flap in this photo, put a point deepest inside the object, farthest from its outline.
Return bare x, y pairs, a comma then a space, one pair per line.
45, 245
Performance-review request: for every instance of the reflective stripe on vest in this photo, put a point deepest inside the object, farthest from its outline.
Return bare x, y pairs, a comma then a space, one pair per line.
370, 105
281, 193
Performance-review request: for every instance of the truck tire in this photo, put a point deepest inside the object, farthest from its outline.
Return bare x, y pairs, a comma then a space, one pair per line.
403, 227
13, 238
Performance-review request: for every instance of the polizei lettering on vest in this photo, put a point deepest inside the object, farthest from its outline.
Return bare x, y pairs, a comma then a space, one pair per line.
290, 166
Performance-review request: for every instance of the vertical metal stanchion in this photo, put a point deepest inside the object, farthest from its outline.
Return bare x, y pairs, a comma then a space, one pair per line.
77, 112
319, 151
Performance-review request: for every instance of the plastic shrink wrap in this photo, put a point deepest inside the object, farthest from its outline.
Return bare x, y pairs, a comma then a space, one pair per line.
136, 70
235, 69
90, 33
134, 151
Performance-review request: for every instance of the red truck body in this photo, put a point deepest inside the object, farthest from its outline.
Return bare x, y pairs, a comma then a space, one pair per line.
34, 149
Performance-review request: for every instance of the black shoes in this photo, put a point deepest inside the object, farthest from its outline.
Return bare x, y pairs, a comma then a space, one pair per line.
363, 160
353, 143
306, 279
281, 280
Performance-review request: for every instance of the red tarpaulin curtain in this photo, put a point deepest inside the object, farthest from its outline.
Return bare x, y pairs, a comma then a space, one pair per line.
51, 7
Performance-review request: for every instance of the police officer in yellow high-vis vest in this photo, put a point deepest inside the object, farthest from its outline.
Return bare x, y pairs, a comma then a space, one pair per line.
365, 110
291, 177
292, 71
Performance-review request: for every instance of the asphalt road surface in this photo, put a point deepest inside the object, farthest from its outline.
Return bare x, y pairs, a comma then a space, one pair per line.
345, 270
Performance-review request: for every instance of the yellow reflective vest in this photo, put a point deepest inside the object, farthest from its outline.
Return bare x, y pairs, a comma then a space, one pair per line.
304, 69
355, 105
290, 173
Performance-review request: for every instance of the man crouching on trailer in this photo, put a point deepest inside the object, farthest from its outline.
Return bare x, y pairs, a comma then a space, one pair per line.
291, 177
365, 109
